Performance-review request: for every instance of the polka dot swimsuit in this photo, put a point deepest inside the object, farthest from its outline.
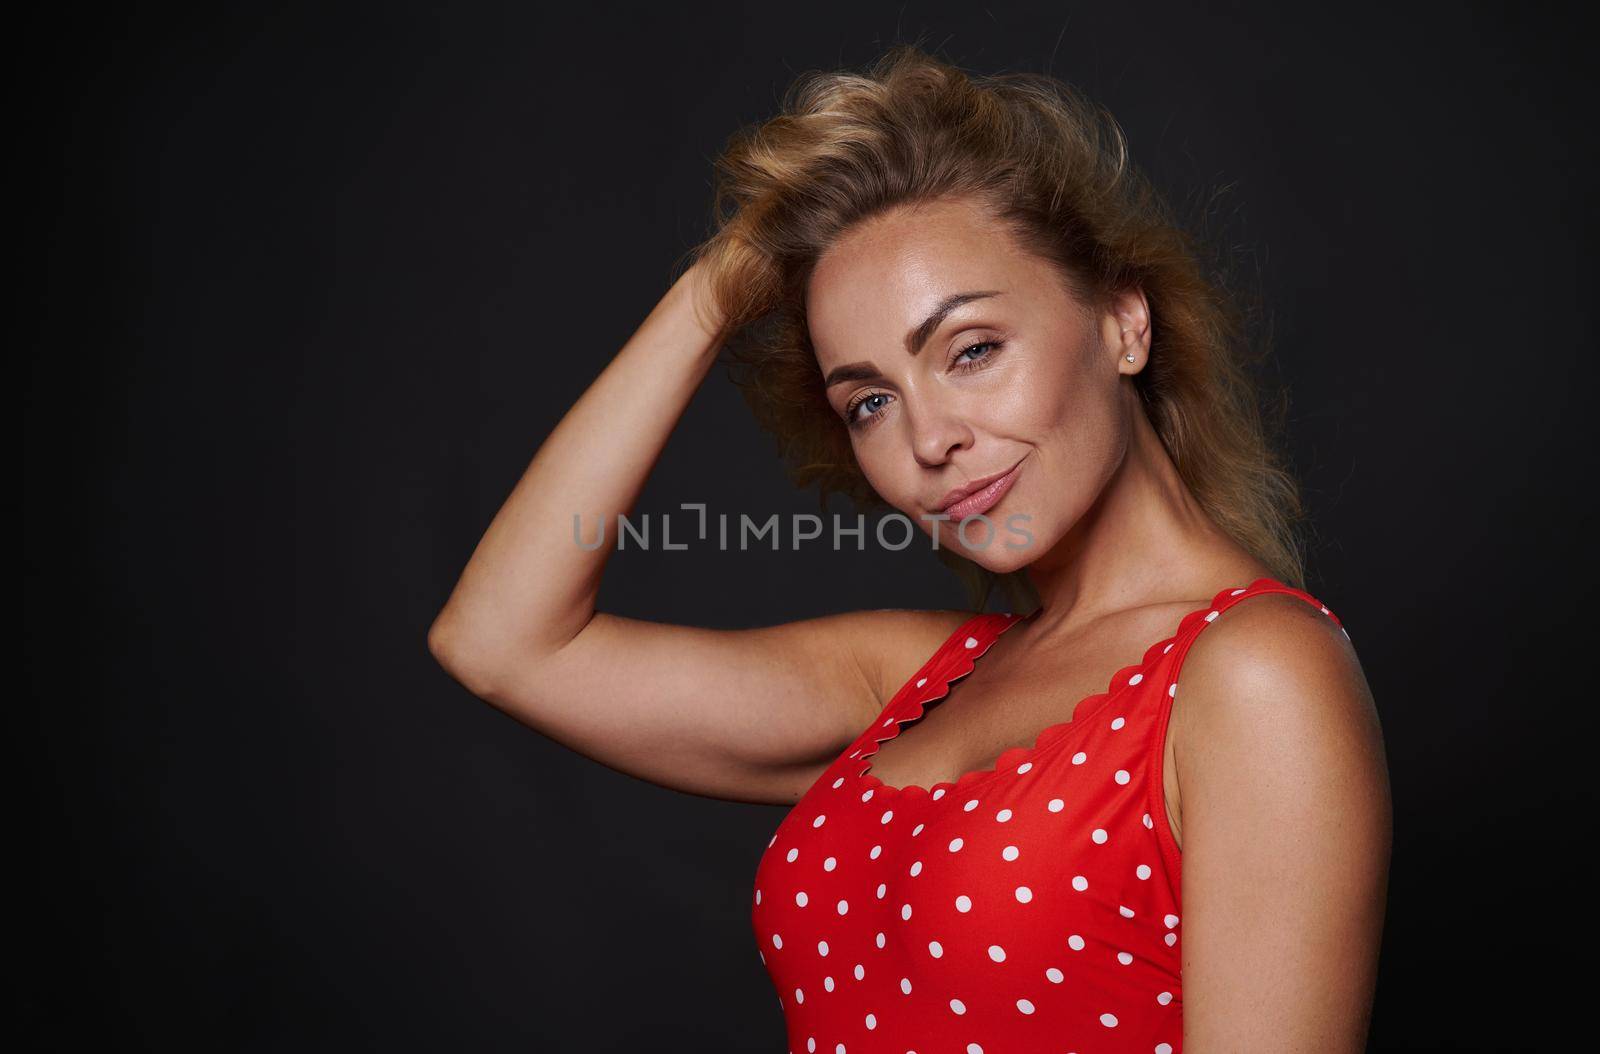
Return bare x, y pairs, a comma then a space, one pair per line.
1030, 907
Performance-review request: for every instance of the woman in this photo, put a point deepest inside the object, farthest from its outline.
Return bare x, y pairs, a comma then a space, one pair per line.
970, 303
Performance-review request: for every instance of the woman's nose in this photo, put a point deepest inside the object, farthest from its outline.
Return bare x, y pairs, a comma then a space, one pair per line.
936, 433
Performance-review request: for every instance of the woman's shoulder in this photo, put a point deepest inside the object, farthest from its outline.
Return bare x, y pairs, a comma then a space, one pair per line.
1270, 653
894, 643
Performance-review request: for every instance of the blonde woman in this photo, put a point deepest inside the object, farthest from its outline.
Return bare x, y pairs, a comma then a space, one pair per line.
954, 297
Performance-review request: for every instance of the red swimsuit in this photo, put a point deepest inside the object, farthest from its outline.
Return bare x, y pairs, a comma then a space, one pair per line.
1030, 907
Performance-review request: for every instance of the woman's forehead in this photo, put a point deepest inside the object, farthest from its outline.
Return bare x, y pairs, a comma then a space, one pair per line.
879, 303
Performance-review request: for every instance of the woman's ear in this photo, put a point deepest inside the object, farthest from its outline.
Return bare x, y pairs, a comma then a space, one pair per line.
1125, 329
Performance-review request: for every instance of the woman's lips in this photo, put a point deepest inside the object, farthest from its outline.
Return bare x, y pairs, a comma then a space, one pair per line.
985, 499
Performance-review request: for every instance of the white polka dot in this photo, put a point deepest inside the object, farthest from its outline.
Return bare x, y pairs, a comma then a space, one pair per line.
881, 939
758, 896
882, 889
1024, 894
1010, 852
1143, 871
972, 1048
958, 1006
1172, 689
811, 1044
917, 829
1122, 776
827, 983
861, 971
1118, 723
963, 903
838, 783
1080, 883
938, 793
838, 1048
1003, 815
905, 985
1147, 822
822, 947
799, 996
867, 795
1075, 942
800, 898
1024, 1006
1079, 758
872, 1021
1124, 958
777, 941
997, 953
1164, 998
819, 821
1024, 767
1056, 805
956, 844
844, 906
1163, 1048
1099, 836
935, 949
1126, 911
1170, 920
877, 851
1167, 648
905, 911
1172, 938
792, 854
973, 804
1108, 1020
922, 682
972, 642
1213, 616
887, 816
1136, 678
916, 869
1055, 975
830, 863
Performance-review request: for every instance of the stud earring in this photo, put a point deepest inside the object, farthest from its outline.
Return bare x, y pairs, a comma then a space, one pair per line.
1130, 358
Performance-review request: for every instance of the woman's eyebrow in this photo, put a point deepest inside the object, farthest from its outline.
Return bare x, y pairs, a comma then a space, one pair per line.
916, 339
920, 333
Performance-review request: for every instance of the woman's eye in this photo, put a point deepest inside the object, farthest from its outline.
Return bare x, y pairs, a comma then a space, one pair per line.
988, 344
985, 351
851, 417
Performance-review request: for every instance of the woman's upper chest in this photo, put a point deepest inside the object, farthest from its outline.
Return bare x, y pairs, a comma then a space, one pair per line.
1038, 860
1022, 685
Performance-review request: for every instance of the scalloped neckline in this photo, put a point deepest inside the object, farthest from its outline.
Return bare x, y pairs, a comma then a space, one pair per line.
1051, 735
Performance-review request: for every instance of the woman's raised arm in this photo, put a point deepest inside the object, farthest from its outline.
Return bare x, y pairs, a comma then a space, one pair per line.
749, 715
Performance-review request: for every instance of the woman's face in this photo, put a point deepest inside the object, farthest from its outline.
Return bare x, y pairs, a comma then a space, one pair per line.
953, 355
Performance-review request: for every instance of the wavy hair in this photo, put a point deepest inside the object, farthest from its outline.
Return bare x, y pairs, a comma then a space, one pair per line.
1053, 166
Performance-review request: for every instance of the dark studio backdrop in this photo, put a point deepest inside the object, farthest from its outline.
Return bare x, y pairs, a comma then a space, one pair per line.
314, 282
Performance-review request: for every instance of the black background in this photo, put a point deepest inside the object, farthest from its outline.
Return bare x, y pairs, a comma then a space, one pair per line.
317, 279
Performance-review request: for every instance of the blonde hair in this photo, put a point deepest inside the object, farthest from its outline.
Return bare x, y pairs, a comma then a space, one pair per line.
1054, 168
